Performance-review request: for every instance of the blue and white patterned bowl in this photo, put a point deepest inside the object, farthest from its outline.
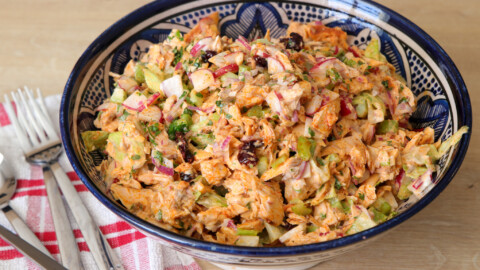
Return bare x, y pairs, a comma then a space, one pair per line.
443, 101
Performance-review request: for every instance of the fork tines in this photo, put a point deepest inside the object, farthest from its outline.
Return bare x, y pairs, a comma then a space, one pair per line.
31, 123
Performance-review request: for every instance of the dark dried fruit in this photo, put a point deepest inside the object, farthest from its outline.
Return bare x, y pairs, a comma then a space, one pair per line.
247, 154
183, 147
260, 61
207, 55
294, 42
187, 177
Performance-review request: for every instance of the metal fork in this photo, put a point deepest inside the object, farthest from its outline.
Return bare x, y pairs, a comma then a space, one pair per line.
45, 149
32, 129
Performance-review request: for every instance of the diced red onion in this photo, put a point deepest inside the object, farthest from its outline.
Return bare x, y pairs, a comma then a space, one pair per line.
162, 169
153, 98
321, 63
336, 50
318, 22
225, 142
399, 178
345, 106
224, 70
295, 116
244, 42
135, 102
302, 169
231, 224
126, 83
178, 66
403, 108
279, 96
200, 45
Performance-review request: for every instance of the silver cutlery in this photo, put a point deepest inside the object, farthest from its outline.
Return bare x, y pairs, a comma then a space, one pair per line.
30, 245
46, 150
32, 134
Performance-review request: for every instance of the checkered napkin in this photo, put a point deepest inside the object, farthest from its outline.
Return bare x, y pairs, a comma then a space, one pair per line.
31, 203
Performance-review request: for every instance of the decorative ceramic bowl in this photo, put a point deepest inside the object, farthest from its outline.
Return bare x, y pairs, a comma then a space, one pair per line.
443, 101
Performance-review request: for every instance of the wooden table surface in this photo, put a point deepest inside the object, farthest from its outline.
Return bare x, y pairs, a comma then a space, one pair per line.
40, 41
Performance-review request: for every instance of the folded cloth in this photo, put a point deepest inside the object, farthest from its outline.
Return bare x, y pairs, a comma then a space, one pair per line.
30, 202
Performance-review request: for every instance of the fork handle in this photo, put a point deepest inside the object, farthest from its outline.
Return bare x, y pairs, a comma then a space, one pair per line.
66, 240
30, 251
23, 230
103, 254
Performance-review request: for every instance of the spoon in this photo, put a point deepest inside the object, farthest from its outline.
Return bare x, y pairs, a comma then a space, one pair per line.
30, 245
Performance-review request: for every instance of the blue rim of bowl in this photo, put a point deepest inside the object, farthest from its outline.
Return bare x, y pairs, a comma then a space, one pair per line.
446, 65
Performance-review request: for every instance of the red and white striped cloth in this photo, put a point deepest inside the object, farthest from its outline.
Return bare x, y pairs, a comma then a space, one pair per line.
30, 202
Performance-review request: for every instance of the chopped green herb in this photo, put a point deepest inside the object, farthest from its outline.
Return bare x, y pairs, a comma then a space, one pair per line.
361, 196
386, 85
136, 157
178, 55
338, 185
403, 99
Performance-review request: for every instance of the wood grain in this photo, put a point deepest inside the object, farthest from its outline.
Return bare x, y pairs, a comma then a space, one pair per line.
40, 42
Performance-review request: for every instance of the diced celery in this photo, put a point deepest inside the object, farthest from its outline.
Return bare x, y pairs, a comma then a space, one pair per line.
139, 75
212, 199
417, 172
373, 50
152, 80
248, 241
196, 98
387, 126
378, 216
311, 228
301, 209
274, 232
94, 139
242, 69
383, 206
453, 140
118, 96
215, 116
187, 118
303, 147
361, 110
256, 111
246, 232
262, 165
433, 153
264, 41
115, 138
228, 75
279, 161
404, 193
335, 203
202, 140
333, 158
202, 122
331, 193
362, 222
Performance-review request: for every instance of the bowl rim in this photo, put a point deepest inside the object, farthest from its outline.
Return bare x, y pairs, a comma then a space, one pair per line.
447, 67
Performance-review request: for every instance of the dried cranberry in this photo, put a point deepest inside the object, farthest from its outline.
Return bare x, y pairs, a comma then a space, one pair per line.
260, 61
207, 55
294, 42
247, 154
183, 147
